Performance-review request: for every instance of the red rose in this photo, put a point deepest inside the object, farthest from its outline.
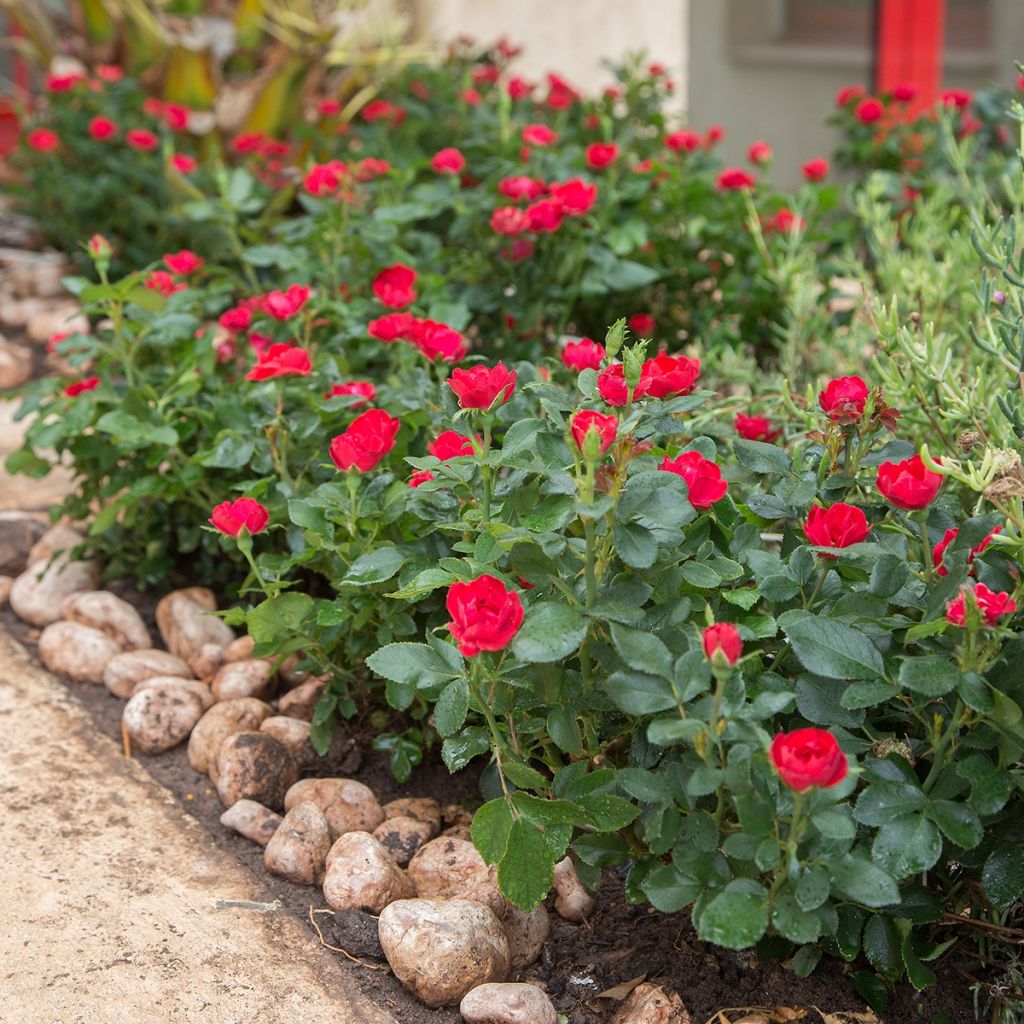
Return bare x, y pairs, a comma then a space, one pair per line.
365, 441
759, 153
140, 138
808, 757
450, 444
784, 221
395, 286
755, 428
521, 186
575, 197
162, 282
816, 169
62, 83
239, 317
471, 97
667, 376
101, 128
518, 88
992, 606
329, 108
684, 140
510, 220
587, 420
703, 478
958, 98
42, 140
363, 390
734, 178
868, 111
611, 385
601, 154
183, 163
283, 305
538, 135
714, 135
437, 341
381, 110
183, 262
392, 327
232, 517
448, 161
369, 168
837, 526
109, 72
847, 94
324, 179
939, 551
485, 615
480, 387
420, 477
281, 361
724, 637
843, 399
642, 325
585, 354
79, 387
545, 215
908, 484
904, 92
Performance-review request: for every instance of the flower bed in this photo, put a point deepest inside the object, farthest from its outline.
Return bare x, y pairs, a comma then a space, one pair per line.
755, 651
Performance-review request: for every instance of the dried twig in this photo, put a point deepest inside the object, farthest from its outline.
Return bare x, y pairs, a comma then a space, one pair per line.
126, 741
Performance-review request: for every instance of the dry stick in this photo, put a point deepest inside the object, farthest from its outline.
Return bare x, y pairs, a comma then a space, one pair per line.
126, 740
338, 949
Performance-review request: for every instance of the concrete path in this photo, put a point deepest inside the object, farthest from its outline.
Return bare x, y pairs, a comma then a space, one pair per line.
109, 891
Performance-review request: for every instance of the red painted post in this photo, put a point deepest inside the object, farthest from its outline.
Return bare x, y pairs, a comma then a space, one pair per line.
909, 42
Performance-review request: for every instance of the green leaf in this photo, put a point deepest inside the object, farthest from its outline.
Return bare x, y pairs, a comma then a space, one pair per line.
458, 751
833, 824
867, 694
278, 616
881, 802
415, 664
791, 921
522, 775
907, 845
930, 675
525, 871
812, 888
423, 583
551, 631
863, 882
959, 823
667, 732
820, 702
737, 917
451, 707
642, 651
376, 567
833, 649
760, 457
490, 829
669, 889
564, 728
882, 946
1003, 875
609, 812
638, 694
917, 974
635, 545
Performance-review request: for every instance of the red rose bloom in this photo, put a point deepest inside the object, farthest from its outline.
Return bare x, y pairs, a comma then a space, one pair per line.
642, 325
611, 385
837, 526
939, 551
420, 477
575, 197
848, 93
140, 138
602, 424
281, 361
324, 179
162, 282
448, 161
239, 317
843, 399
510, 220
908, 484
958, 98
521, 186
183, 262
485, 615
79, 387
724, 637
904, 92
392, 327
807, 758
585, 354
366, 440
538, 135
755, 428
232, 517
183, 163
545, 215
759, 153
734, 178
992, 606
283, 305
688, 141
369, 168
601, 154
438, 341
869, 110
63, 83
101, 128
816, 169
42, 140
480, 387
450, 444
703, 478
109, 72
518, 88
394, 286
382, 110
363, 390
667, 376
714, 135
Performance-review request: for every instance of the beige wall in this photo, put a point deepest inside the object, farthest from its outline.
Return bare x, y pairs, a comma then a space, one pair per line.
568, 36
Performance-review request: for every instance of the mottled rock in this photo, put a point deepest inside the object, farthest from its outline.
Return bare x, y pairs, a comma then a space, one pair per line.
441, 949
160, 717
507, 1003
458, 832
206, 661
109, 613
19, 531
15, 365
450, 868
243, 679
6, 582
298, 849
125, 671
223, 720
252, 820
349, 805
201, 690
185, 623
356, 932
402, 837
61, 538
526, 933
422, 808
573, 902
362, 876
240, 649
301, 702
455, 814
254, 766
650, 1004
292, 732
37, 593
79, 652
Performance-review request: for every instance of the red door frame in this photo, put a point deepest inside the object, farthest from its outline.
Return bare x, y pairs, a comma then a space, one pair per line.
909, 36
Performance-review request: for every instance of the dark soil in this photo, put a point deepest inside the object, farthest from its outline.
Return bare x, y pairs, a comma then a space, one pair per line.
620, 943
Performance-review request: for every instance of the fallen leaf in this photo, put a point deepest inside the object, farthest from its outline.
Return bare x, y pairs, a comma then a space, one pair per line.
784, 1014
620, 991
849, 1017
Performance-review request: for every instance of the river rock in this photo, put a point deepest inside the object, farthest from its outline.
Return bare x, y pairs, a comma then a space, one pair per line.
292, 732
79, 652
222, 720
252, 820
526, 933
422, 808
15, 365
441, 949
109, 613
298, 849
507, 1003
362, 876
254, 766
201, 690
206, 661
402, 837
60, 538
573, 902
349, 805
125, 671
185, 623
450, 868
6, 582
239, 649
301, 702
251, 678
37, 593
158, 718
651, 1004
19, 531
